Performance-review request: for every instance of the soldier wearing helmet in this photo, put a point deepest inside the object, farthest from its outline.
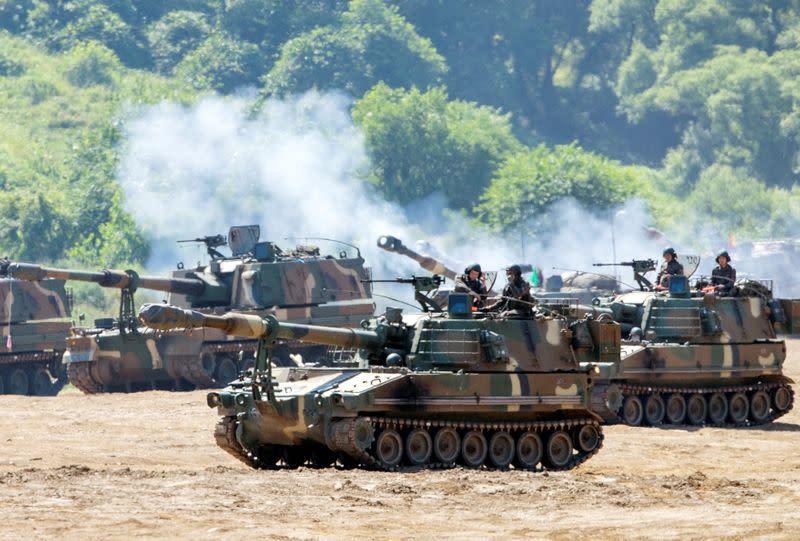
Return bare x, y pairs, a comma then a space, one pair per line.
473, 281
723, 277
516, 295
670, 267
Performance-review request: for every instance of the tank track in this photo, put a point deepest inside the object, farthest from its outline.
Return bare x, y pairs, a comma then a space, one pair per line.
80, 375
190, 368
613, 417
225, 436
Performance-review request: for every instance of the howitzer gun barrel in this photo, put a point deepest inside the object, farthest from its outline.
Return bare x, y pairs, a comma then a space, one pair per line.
393, 244
108, 278
165, 317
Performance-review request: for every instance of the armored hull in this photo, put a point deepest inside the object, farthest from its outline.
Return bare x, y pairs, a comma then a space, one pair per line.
703, 360
33, 336
431, 390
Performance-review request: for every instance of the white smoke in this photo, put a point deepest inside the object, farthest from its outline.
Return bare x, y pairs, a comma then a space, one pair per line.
296, 168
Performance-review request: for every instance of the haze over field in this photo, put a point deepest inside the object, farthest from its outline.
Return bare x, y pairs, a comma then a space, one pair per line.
297, 167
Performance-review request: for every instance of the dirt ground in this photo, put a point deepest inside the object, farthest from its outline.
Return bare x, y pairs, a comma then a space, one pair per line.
145, 465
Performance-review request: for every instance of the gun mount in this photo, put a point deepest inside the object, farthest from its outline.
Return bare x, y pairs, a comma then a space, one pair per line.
212, 242
640, 267
423, 287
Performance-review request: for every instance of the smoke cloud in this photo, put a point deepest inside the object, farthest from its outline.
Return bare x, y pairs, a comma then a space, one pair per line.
296, 168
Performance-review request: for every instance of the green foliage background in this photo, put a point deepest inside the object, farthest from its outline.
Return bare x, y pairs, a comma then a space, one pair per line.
503, 106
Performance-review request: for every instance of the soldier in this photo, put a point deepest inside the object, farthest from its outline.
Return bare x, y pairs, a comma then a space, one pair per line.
723, 276
670, 267
516, 295
473, 281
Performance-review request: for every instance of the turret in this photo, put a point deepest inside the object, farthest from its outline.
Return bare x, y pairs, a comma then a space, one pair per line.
165, 317
110, 278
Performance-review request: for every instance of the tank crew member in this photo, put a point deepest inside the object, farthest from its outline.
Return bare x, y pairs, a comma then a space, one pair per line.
516, 295
473, 281
670, 267
723, 277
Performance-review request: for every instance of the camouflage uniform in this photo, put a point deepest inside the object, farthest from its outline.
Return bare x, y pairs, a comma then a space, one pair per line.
518, 289
671, 268
465, 285
723, 276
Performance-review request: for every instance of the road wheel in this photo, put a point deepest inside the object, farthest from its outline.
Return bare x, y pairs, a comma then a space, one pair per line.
588, 438
419, 446
717, 408
558, 451
782, 398
696, 409
295, 456
501, 450
389, 448
759, 407
738, 408
654, 410
322, 457
676, 409
446, 446
267, 456
42, 383
474, 449
529, 450
632, 411
225, 371
17, 382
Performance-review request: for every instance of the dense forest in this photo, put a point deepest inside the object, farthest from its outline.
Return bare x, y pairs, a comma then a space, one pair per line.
505, 107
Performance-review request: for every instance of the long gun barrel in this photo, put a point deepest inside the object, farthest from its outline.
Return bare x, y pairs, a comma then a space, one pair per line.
393, 244
165, 317
109, 278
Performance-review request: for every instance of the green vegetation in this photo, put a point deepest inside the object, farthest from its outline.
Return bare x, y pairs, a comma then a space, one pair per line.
505, 107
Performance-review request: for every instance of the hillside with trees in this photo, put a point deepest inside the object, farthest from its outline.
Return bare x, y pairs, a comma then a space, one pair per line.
505, 107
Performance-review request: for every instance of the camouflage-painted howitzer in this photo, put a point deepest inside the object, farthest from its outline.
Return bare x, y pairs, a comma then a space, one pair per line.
33, 334
259, 277
694, 358
429, 390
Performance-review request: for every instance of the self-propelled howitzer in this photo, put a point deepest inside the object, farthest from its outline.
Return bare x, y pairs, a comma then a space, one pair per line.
34, 324
429, 390
300, 285
695, 357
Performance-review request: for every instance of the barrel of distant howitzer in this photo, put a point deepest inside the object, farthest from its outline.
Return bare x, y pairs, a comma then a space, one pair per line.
165, 317
109, 278
393, 244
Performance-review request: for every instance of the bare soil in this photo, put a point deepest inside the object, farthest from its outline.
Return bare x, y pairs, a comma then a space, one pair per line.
145, 465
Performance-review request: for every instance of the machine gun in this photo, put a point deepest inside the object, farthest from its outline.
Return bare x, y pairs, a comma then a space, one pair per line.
422, 285
212, 242
640, 268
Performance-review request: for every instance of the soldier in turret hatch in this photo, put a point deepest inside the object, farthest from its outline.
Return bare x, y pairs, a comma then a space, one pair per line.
670, 267
723, 276
516, 295
473, 281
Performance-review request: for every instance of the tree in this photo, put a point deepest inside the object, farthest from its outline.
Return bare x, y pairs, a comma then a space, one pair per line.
174, 35
118, 241
419, 142
528, 184
91, 64
221, 63
31, 227
370, 43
